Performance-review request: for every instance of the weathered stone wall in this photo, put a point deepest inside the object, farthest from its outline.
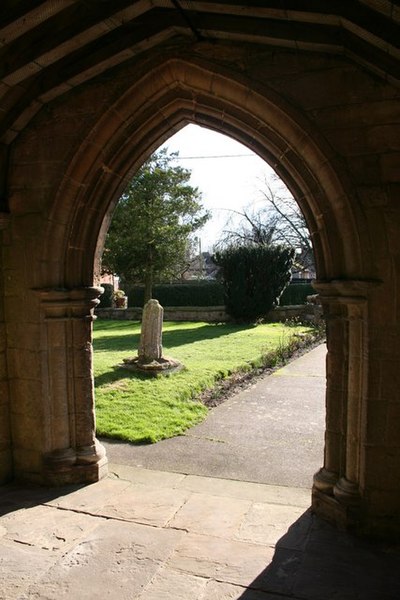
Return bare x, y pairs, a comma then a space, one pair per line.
5, 430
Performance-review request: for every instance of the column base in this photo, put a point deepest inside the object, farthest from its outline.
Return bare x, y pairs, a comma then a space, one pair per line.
90, 454
68, 466
347, 493
329, 508
325, 481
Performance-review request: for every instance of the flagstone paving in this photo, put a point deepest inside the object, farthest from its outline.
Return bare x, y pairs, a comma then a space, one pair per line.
143, 534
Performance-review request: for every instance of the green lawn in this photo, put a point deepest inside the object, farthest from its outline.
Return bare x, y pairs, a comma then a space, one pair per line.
138, 409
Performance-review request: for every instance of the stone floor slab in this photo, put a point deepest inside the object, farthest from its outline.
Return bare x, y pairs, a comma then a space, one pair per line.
211, 515
225, 560
20, 566
146, 505
169, 584
47, 528
91, 498
149, 477
216, 590
267, 523
256, 492
116, 561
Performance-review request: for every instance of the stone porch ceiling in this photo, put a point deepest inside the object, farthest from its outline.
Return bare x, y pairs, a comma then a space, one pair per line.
49, 47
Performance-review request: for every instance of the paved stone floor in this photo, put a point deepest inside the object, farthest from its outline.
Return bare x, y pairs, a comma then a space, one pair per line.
143, 534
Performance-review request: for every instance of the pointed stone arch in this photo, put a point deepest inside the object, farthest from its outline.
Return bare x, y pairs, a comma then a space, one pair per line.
167, 95
171, 95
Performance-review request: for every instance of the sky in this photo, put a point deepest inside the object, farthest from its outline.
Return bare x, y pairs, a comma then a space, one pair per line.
227, 173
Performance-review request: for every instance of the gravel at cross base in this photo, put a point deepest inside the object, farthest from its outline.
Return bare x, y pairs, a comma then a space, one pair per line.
271, 432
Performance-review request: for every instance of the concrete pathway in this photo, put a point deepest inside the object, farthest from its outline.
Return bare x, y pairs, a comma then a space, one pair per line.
149, 534
272, 432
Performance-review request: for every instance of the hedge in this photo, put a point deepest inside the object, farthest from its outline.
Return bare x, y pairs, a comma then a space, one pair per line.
210, 293
199, 293
296, 293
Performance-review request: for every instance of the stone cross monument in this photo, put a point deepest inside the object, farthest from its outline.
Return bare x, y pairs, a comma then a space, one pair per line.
150, 347
150, 360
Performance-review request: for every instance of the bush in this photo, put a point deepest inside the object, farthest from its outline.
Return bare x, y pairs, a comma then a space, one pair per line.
296, 293
254, 278
179, 294
106, 299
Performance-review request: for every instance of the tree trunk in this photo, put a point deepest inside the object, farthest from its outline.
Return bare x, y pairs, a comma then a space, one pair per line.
148, 280
148, 287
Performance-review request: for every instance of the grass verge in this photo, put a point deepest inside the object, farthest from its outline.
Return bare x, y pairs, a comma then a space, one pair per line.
137, 409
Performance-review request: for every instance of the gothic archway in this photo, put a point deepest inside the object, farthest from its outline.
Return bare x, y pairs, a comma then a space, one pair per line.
173, 93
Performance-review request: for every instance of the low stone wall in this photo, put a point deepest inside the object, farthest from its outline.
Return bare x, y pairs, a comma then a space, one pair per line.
302, 312
210, 314
213, 314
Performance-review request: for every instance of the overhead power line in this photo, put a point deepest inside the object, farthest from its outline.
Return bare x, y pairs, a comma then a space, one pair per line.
213, 156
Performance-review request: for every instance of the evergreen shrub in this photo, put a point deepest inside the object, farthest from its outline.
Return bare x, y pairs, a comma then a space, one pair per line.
254, 278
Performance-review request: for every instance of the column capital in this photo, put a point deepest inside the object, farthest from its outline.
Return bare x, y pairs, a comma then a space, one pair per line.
63, 303
345, 290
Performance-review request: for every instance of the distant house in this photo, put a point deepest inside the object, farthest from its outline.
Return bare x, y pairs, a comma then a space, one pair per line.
201, 266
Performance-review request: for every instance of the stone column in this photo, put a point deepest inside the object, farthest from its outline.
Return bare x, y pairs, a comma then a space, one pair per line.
347, 488
336, 493
73, 455
336, 391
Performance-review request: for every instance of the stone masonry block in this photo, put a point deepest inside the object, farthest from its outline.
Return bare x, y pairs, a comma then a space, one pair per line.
26, 396
376, 422
27, 431
4, 394
380, 461
390, 167
2, 337
6, 465
3, 366
23, 335
14, 281
24, 363
392, 437
27, 462
383, 502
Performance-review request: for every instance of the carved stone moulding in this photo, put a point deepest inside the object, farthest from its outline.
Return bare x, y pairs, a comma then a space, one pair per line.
69, 303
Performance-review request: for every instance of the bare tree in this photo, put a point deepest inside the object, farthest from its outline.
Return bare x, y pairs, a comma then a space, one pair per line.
278, 221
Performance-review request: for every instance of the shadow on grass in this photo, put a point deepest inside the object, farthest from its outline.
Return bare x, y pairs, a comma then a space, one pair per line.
118, 374
171, 337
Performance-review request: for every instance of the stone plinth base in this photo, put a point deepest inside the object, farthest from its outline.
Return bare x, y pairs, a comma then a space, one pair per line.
160, 366
328, 508
77, 474
86, 465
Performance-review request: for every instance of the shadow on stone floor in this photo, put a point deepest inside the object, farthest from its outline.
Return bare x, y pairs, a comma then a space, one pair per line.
14, 497
314, 560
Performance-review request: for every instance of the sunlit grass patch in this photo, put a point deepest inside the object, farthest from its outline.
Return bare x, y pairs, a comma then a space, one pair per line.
138, 409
